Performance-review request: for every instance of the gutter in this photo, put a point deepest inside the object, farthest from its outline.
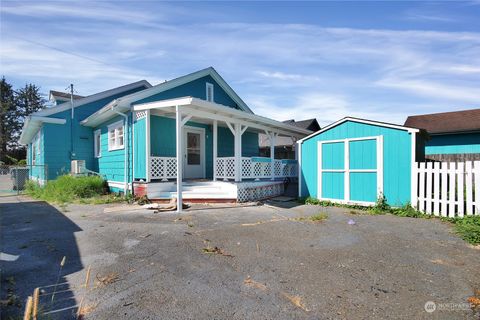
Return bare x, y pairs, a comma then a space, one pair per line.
125, 160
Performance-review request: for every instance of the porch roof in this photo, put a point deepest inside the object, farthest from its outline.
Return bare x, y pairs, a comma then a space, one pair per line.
206, 112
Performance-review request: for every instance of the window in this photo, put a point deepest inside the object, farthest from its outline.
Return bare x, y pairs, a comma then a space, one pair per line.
209, 93
97, 143
35, 147
115, 136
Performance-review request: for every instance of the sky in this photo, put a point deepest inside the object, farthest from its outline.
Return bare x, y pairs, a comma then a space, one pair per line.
380, 60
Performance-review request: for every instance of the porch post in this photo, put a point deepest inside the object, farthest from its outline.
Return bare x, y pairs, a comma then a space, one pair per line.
272, 154
238, 152
147, 146
179, 141
215, 153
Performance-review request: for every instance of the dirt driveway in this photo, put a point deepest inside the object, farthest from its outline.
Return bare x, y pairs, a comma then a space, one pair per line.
252, 262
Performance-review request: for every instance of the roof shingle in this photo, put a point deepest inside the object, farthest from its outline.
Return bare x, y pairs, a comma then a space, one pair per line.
447, 122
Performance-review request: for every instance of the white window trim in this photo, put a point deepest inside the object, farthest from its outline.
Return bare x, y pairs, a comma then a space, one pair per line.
207, 86
114, 126
346, 169
97, 148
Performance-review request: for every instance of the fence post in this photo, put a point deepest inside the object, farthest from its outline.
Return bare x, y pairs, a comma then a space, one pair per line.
461, 196
477, 186
444, 199
451, 193
422, 187
436, 188
468, 186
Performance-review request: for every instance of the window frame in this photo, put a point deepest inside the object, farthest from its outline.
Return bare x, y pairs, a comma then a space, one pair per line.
115, 127
209, 85
97, 147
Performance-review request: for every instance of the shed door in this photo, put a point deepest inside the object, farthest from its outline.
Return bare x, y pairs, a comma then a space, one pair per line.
350, 170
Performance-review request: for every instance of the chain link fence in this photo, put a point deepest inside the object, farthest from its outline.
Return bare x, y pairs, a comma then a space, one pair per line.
13, 178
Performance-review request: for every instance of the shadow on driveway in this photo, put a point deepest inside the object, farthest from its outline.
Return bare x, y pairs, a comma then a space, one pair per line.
35, 237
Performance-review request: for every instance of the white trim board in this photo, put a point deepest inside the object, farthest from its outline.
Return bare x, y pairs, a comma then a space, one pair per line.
346, 168
203, 109
365, 121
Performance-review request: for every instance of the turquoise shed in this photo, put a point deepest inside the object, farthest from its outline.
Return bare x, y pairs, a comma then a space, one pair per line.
354, 161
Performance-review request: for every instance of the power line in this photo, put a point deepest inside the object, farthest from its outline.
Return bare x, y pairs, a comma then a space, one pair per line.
65, 51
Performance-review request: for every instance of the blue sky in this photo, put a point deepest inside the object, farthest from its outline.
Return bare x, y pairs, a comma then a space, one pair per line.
377, 60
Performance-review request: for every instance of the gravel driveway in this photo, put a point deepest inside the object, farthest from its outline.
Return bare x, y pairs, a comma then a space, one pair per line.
223, 262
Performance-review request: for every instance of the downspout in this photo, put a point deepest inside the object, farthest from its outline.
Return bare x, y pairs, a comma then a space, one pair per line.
125, 160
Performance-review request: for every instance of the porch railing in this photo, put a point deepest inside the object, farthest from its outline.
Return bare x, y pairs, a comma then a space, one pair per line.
255, 168
165, 168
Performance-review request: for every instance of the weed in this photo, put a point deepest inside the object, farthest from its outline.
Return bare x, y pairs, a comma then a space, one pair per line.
67, 189
381, 206
468, 228
314, 218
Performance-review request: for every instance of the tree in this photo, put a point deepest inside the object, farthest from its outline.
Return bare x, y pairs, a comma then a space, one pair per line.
15, 106
8, 117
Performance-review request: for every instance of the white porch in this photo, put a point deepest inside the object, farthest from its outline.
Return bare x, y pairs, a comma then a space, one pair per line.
236, 168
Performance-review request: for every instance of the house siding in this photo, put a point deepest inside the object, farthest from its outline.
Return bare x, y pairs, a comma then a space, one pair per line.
140, 145
396, 160
163, 141
196, 89
58, 141
111, 163
453, 144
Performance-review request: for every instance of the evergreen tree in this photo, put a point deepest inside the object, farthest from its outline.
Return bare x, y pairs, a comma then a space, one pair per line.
8, 117
15, 106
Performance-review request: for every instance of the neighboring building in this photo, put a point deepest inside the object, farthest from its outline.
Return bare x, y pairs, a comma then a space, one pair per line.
454, 136
354, 161
285, 146
129, 136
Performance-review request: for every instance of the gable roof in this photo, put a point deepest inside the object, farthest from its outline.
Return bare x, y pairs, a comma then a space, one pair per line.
447, 122
62, 96
359, 120
91, 98
308, 124
123, 104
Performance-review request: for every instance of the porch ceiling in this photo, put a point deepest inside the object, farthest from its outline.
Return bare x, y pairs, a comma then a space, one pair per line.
206, 112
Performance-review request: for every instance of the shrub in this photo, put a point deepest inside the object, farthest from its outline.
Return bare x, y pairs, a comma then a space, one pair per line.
67, 188
22, 162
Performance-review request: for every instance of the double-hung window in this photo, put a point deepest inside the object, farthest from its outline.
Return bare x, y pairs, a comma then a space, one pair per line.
97, 136
115, 136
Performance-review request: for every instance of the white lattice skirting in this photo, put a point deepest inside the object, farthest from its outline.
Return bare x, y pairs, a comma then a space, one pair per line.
253, 191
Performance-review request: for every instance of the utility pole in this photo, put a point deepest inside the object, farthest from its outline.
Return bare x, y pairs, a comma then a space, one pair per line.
72, 152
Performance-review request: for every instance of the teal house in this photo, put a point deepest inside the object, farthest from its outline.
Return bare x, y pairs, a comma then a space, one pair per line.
191, 137
354, 161
453, 136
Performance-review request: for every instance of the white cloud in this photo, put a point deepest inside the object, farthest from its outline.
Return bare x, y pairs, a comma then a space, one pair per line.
282, 71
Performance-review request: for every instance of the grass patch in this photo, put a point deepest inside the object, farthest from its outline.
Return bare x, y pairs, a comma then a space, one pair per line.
467, 228
69, 189
314, 218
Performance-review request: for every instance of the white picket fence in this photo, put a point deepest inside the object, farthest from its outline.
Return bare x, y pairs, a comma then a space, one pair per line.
448, 189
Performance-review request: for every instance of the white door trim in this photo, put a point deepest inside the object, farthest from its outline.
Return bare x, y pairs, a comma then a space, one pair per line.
201, 131
346, 170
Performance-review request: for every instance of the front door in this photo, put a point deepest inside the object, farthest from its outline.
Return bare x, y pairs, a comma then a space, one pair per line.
194, 153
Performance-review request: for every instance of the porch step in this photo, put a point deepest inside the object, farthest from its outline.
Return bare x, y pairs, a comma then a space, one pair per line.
192, 195
193, 190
